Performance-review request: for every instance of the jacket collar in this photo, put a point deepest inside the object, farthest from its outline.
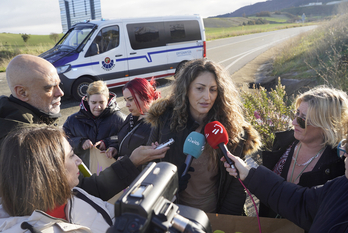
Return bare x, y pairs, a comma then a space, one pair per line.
46, 118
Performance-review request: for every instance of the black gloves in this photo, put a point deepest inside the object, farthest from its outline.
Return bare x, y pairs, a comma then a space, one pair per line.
183, 181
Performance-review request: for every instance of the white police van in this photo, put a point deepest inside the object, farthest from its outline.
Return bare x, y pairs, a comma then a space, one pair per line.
119, 50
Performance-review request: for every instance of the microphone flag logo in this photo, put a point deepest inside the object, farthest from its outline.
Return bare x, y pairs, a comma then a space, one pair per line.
216, 130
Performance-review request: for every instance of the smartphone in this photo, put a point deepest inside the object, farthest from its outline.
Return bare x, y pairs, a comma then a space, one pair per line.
167, 143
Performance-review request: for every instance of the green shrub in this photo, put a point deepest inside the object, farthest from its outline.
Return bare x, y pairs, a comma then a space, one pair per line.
268, 112
25, 37
263, 14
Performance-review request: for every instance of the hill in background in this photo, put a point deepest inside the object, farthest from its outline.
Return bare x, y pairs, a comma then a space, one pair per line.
291, 6
228, 22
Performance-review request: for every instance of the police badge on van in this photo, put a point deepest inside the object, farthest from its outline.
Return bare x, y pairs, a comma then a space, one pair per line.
108, 64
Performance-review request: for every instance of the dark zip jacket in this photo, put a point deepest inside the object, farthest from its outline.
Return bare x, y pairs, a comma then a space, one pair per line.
317, 209
15, 113
130, 139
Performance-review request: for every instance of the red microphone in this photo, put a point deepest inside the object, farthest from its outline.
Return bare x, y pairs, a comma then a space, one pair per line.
217, 137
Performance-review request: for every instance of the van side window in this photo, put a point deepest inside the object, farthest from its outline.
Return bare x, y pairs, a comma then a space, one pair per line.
106, 39
177, 31
146, 35
181, 31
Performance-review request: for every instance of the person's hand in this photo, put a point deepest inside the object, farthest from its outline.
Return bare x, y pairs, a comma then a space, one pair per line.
100, 145
183, 180
242, 167
144, 154
111, 152
87, 144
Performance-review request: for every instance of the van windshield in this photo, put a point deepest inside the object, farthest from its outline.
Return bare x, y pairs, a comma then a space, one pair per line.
75, 37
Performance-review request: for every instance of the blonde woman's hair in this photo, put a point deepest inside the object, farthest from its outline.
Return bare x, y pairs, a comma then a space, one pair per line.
98, 87
327, 109
32, 170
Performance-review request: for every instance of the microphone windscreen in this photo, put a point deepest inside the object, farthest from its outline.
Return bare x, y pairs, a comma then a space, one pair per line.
215, 134
194, 144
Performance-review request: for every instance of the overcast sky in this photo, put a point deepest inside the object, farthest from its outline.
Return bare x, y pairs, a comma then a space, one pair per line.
43, 16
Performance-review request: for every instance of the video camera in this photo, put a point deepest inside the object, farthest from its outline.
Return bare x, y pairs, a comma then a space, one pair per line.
145, 207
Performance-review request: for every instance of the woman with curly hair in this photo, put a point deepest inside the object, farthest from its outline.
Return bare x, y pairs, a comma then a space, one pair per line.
201, 93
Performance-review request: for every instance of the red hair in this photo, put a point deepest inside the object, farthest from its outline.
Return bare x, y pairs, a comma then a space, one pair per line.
146, 90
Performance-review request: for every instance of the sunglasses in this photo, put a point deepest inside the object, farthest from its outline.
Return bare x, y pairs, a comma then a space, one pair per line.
341, 149
301, 121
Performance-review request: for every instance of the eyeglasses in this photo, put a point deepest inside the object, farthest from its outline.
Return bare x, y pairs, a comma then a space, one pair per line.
301, 121
341, 149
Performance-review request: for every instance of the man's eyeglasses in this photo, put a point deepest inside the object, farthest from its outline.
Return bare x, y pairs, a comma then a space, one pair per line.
301, 121
341, 148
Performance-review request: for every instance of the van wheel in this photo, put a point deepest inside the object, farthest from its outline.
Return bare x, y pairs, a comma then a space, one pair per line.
80, 88
181, 64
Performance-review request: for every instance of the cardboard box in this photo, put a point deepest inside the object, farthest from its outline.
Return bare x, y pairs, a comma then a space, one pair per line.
243, 224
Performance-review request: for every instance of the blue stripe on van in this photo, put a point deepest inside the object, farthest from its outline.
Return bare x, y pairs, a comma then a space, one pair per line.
86, 64
148, 58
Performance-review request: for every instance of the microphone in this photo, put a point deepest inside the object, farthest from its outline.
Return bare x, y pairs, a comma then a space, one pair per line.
84, 170
193, 148
217, 137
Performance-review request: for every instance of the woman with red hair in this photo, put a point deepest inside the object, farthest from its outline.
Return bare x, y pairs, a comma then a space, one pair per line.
139, 95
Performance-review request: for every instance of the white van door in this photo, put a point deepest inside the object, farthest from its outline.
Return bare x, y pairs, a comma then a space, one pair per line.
147, 52
107, 51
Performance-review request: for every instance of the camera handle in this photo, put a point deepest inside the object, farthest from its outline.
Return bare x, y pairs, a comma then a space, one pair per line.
184, 225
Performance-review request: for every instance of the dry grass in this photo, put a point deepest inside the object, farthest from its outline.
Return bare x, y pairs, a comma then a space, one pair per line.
321, 54
7, 52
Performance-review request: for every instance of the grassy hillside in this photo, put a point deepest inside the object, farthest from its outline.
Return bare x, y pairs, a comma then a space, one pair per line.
320, 55
224, 22
13, 44
17, 40
235, 26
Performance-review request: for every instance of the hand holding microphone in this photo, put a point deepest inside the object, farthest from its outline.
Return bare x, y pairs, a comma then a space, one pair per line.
243, 168
217, 137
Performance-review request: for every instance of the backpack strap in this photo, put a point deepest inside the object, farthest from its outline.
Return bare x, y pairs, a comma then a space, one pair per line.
100, 210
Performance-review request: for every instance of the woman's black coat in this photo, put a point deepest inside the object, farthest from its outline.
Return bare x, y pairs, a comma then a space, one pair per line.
130, 139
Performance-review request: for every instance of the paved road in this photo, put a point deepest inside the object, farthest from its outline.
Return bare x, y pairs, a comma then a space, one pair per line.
232, 53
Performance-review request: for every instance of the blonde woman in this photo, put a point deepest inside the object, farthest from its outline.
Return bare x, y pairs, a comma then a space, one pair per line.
307, 155
97, 122
201, 93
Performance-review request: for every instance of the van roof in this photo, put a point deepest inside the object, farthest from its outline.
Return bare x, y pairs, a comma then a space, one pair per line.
143, 19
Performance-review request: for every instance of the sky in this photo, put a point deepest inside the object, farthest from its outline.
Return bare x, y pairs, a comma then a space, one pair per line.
42, 17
